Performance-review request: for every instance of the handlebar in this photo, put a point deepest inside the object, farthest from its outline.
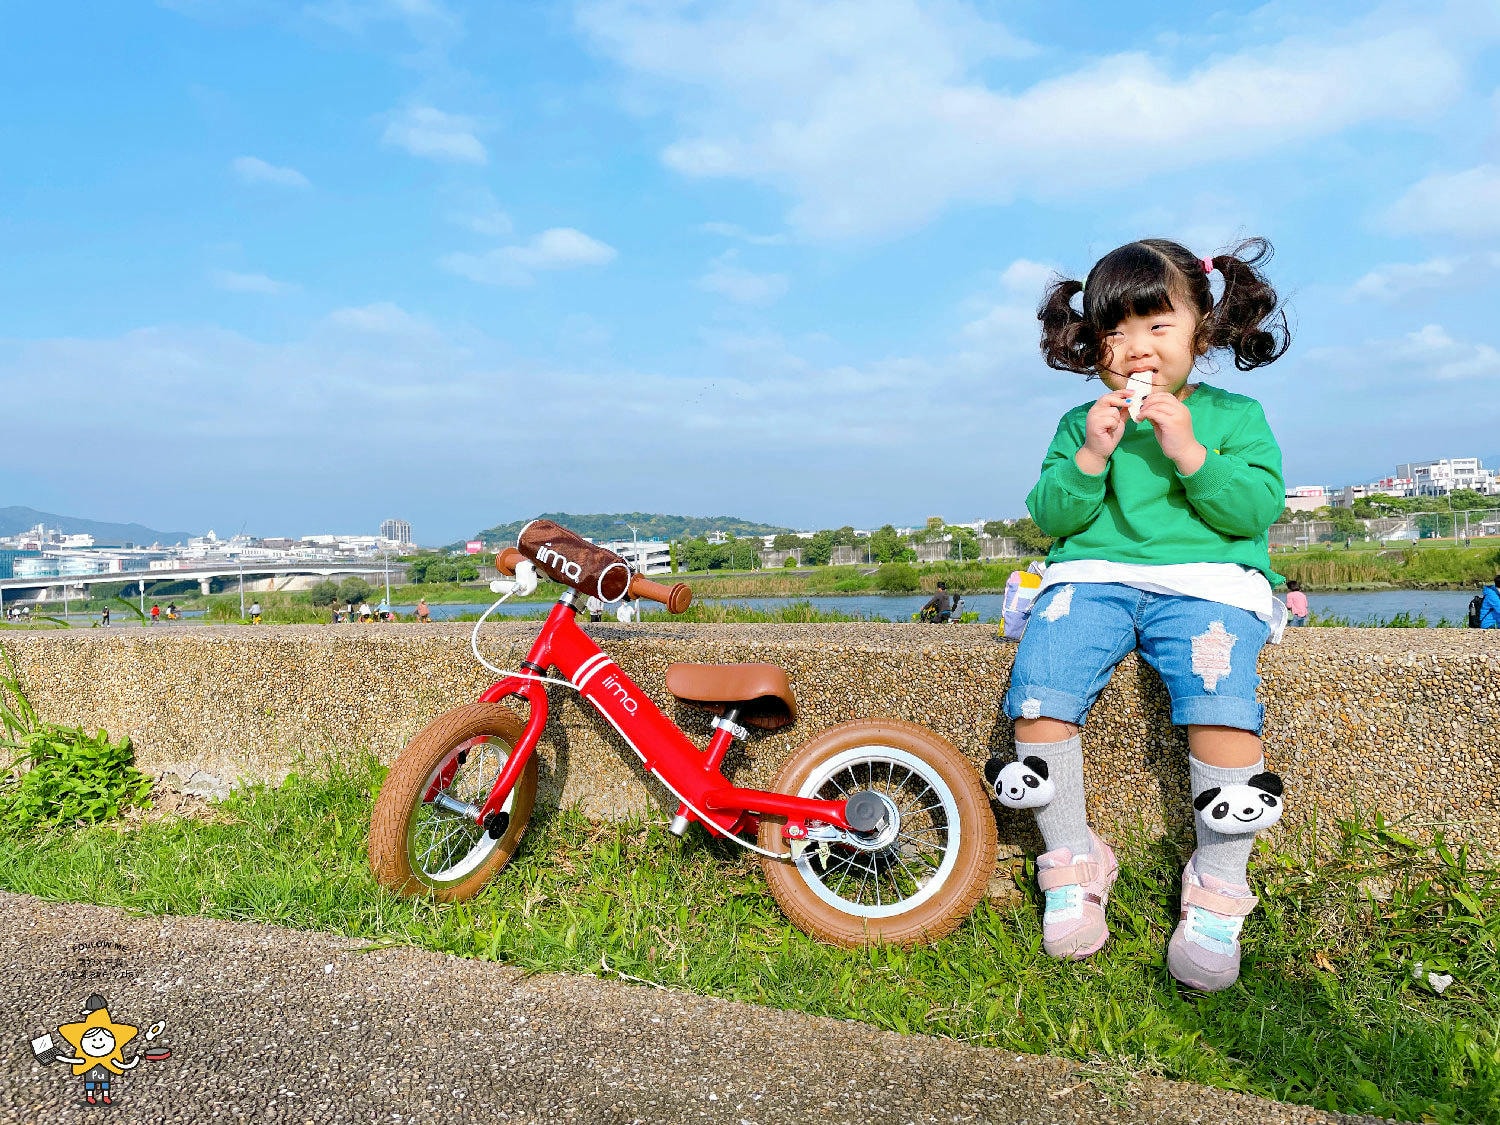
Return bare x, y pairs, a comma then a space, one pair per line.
676, 598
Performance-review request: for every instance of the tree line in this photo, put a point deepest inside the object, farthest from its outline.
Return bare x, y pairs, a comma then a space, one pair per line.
885, 545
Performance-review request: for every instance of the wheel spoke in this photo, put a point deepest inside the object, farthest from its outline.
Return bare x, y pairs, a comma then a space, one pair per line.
909, 860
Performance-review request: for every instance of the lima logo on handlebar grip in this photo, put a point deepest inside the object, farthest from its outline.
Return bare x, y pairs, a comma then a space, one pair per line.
548, 555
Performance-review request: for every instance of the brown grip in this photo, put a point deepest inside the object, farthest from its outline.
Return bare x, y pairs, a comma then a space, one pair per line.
676, 598
506, 560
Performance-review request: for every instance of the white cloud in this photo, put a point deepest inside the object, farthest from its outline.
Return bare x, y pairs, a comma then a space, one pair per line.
739, 233
431, 25
234, 282
427, 132
476, 209
908, 425
742, 286
555, 249
1002, 330
383, 318
875, 115
1390, 369
1465, 204
1433, 351
356, 16
253, 170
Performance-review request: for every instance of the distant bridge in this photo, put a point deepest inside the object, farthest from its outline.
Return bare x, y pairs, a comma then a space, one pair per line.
203, 574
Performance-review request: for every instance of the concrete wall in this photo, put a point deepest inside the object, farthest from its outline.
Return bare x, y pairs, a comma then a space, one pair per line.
1404, 721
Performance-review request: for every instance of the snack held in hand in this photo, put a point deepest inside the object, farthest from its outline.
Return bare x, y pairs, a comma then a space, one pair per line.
1138, 386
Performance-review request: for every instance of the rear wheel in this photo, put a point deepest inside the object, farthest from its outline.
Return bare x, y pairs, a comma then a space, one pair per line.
913, 880
423, 836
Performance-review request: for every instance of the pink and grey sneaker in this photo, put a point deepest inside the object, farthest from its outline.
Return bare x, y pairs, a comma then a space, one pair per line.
1077, 889
1204, 952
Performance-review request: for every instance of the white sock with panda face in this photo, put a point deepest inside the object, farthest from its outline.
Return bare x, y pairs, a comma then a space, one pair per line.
1063, 821
1226, 855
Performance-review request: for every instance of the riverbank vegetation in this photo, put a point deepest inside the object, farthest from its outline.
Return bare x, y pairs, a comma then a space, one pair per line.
1422, 568
1371, 979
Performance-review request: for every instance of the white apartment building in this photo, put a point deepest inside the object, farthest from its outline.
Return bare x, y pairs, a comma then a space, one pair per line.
397, 531
1440, 477
649, 556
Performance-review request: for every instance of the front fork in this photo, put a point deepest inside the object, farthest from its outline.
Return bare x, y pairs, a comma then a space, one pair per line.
535, 695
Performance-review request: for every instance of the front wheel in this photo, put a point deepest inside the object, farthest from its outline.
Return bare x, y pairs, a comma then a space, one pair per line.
912, 881
422, 841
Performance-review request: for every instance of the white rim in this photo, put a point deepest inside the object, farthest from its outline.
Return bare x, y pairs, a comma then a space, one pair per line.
933, 783
458, 827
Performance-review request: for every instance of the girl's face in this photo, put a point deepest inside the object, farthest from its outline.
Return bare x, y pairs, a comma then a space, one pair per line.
1161, 344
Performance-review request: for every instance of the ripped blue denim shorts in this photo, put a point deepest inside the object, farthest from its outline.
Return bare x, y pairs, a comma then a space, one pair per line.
1205, 652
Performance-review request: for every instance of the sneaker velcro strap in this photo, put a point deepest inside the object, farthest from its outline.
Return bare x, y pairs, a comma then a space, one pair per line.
1230, 906
1083, 871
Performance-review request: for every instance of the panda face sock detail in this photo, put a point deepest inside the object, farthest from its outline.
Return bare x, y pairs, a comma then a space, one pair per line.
1047, 777
1232, 805
1020, 785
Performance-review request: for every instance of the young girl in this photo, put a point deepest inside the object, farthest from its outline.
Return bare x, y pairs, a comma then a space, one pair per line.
1159, 495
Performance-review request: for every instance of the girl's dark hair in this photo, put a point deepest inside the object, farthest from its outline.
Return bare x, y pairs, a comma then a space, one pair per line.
1153, 276
1293, 585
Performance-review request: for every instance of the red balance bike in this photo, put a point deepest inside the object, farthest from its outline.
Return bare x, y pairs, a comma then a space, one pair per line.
875, 830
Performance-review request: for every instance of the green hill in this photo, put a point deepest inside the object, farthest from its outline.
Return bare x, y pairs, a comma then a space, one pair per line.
648, 525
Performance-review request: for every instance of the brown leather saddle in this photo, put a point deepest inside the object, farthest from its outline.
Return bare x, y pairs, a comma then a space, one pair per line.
760, 691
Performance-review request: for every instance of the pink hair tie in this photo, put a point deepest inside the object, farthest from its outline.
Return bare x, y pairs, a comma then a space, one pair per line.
1208, 264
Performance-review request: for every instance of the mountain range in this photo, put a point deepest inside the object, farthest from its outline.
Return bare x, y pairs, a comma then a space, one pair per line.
617, 525
14, 520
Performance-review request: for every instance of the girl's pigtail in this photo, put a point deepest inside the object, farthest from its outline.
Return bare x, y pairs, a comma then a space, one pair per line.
1065, 346
1246, 318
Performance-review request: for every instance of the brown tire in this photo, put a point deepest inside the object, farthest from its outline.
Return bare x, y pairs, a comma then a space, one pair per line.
418, 847
934, 863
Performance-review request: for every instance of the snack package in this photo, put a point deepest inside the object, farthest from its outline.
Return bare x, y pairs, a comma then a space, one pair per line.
1138, 386
1021, 589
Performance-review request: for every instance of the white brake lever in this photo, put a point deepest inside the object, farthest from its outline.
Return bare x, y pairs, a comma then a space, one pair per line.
523, 583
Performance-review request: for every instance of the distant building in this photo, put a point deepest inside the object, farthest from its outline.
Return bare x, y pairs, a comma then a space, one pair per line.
1307, 497
1440, 477
9, 559
397, 531
1392, 486
648, 556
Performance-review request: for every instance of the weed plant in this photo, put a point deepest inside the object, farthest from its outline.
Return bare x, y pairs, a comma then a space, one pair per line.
1335, 1007
60, 775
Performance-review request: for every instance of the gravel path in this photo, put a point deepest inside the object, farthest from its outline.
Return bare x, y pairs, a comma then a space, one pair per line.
273, 1025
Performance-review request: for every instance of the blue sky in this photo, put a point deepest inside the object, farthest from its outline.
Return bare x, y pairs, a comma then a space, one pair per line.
302, 266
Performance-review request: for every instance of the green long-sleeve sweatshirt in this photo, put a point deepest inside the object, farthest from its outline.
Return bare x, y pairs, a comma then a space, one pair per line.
1142, 510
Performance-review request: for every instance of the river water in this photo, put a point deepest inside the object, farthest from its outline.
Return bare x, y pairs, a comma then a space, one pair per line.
1360, 607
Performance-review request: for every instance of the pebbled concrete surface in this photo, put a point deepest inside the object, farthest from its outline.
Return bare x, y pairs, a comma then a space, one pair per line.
1400, 720
274, 1025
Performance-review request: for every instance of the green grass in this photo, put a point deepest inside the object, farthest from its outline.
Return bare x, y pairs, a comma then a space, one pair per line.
1408, 566
1327, 1013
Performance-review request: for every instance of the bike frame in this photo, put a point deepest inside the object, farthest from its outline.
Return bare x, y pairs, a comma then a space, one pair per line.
692, 775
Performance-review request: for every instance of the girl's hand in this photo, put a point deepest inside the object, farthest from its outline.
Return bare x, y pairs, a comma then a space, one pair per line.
1173, 426
1103, 429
